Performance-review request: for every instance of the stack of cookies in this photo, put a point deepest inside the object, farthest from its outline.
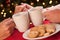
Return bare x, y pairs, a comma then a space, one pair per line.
42, 30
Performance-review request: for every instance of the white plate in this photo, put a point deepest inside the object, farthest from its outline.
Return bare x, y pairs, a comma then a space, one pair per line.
25, 35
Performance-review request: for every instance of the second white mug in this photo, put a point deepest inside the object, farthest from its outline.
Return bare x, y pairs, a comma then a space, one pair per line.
21, 20
36, 15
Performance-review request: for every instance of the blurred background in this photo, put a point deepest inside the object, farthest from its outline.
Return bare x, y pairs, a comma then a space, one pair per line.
7, 6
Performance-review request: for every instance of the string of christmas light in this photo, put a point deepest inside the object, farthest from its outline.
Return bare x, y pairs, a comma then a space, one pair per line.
7, 8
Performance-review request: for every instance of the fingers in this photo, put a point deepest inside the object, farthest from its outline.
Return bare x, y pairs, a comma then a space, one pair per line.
27, 5
18, 9
5, 20
8, 23
12, 24
6, 28
9, 26
23, 7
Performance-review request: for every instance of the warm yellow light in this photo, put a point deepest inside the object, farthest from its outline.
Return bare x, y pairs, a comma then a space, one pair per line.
32, 3
1, 12
50, 2
37, 0
4, 15
43, 3
10, 11
12, 3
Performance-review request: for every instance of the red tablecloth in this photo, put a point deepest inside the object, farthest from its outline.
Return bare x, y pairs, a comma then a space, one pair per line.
18, 36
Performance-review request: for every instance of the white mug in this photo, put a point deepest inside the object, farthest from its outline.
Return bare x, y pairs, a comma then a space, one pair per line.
36, 15
21, 20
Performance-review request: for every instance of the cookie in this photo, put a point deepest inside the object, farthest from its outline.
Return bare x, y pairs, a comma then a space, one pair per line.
46, 34
34, 29
50, 28
33, 34
41, 30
